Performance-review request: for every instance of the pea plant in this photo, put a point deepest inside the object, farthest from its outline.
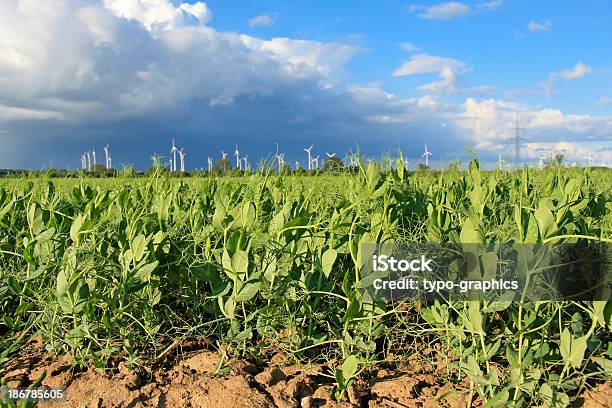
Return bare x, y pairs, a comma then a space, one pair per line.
273, 262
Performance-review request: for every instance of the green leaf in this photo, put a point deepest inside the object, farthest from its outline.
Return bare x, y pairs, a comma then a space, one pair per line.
470, 234
240, 262
75, 228
546, 220
572, 349
246, 291
605, 364
327, 260
144, 272
499, 400
139, 246
349, 367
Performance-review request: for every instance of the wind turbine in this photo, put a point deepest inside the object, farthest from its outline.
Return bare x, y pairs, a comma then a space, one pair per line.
223, 155
542, 158
182, 157
330, 155
297, 164
246, 163
307, 150
88, 162
238, 161
83, 162
315, 161
589, 159
500, 162
93, 154
173, 152
280, 158
110, 162
406, 163
210, 164
426, 156
106, 156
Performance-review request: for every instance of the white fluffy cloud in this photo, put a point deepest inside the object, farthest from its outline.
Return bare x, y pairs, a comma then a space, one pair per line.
535, 26
443, 11
579, 70
104, 66
491, 121
491, 5
262, 20
160, 14
427, 64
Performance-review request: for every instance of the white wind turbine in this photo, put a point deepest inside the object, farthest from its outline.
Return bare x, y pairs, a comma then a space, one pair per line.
173, 151
589, 159
541, 163
297, 164
110, 162
406, 164
330, 155
280, 158
238, 161
426, 156
308, 150
246, 163
182, 157
88, 162
223, 155
83, 162
106, 156
315, 162
500, 162
93, 154
210, 163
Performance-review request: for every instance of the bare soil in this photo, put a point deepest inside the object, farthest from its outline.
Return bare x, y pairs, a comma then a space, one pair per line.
194, 381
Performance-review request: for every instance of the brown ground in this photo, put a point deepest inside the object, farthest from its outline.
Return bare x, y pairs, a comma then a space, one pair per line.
192, 382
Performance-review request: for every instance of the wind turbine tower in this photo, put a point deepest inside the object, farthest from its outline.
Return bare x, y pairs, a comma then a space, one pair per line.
107, 157
238, 161
182, 157
426, 156
308, 150
173, 152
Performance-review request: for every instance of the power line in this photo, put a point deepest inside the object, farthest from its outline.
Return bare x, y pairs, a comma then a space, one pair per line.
517, 140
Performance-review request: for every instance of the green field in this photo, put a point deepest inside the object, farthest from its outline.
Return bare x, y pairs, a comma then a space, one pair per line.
128, 266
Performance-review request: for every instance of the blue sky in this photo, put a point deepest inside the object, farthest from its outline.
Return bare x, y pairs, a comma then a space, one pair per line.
78, 74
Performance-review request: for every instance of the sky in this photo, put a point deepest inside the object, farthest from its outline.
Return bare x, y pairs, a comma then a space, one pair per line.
372, 76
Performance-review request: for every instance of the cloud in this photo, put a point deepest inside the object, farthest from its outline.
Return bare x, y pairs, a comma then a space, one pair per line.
579, 70
427, 64
160, 14
490, 5
605, 100
442, 11
134, 74
262, 20
491, 120
451, 83
409, 47
544, 25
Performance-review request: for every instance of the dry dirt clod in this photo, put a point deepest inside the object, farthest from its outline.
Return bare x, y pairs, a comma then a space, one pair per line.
270, 376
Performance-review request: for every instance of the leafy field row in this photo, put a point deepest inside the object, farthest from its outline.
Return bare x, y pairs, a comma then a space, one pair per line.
267, 262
